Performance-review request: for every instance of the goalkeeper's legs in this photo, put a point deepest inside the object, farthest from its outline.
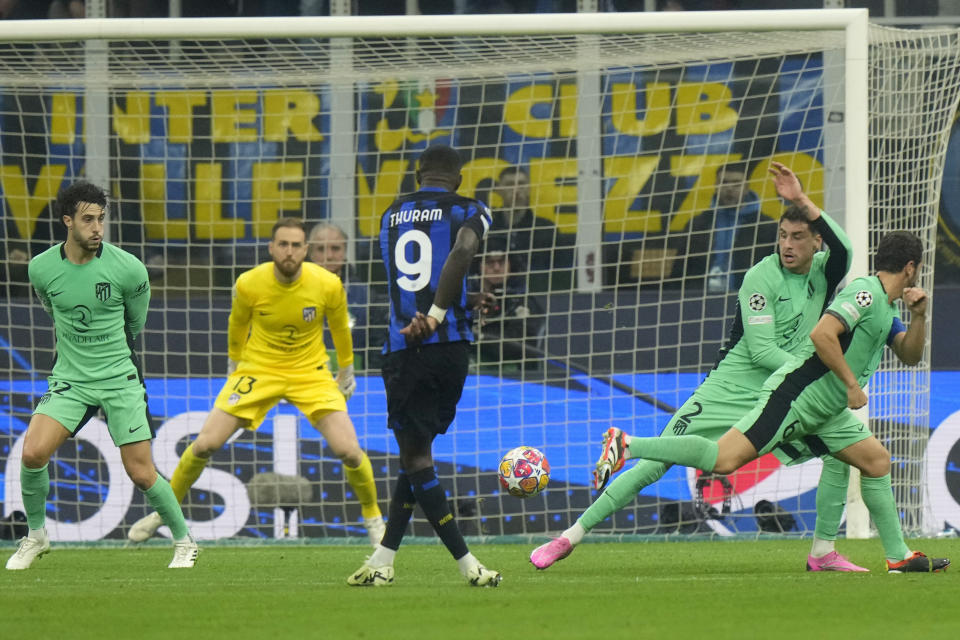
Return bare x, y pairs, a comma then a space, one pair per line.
337, 428
216, 430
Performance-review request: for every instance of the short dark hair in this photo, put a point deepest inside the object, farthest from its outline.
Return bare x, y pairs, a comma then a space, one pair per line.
896, 249
512, 171
736, 166
80, 191
291, 222
440, 159
496, 243
797, 213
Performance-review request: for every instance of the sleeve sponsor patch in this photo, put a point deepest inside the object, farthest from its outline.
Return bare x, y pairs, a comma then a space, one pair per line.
759, 319
864, 298
757, 302
851, 310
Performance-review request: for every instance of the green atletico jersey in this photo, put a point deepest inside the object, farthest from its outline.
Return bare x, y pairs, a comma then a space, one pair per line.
98, 308
777, 310
871, 321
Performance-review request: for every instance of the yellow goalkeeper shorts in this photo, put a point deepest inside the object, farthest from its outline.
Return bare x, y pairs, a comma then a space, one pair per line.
251, 391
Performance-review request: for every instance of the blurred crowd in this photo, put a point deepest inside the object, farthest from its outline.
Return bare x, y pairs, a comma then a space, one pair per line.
35, 9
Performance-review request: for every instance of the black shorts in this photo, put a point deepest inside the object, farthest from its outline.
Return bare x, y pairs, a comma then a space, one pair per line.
424, 385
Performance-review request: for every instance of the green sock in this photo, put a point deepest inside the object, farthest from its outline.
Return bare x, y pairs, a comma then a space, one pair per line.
622, 491
34, 487
878, 497
161, 498
831, 497
689, 451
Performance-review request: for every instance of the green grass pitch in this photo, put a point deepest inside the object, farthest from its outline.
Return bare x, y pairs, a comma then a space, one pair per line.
706, 589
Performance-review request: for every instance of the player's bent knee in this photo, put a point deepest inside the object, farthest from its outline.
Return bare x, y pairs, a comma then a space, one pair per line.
875, 461
143, 476
34, 458
724, 467
877, 466
352, 457
203, 448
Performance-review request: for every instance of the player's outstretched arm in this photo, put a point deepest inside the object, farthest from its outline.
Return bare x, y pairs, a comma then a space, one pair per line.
789, 188
908, 345
826, 340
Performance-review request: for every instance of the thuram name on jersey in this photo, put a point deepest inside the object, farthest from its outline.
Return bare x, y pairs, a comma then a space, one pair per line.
415, 215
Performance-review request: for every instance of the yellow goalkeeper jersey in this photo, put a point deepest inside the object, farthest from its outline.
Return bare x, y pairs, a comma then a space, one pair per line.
280, 326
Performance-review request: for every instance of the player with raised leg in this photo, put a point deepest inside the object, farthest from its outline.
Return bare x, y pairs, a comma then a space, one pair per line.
779, 303
427, 240
276, 351
97, 295
806, 403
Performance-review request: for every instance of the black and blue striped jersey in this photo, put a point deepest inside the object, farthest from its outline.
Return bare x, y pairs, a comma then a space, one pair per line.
417, 234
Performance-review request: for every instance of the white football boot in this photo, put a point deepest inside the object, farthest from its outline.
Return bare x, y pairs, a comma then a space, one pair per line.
185, 553
144, 528
29, 550
368, 576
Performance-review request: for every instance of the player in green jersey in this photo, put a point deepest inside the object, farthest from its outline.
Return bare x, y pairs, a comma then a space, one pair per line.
97, 295
805, 407
779, 303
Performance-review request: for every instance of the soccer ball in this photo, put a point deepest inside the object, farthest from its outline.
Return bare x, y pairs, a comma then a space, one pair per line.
524, 472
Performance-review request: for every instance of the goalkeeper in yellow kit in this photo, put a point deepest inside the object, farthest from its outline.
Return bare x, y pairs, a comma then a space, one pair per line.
276, 352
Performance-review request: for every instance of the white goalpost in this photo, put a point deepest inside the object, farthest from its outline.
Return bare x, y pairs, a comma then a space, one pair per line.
632, 130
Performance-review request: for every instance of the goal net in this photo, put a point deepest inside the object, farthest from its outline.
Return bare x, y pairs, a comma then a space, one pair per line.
624, 156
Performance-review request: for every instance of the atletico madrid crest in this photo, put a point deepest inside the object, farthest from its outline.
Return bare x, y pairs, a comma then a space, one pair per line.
309, 314
103, 291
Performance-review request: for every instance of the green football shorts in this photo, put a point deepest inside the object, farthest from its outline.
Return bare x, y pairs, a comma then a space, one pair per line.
712, 410
795, 435
125, 409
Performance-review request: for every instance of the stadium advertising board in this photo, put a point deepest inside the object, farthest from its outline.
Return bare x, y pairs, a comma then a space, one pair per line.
92, 497
220, 164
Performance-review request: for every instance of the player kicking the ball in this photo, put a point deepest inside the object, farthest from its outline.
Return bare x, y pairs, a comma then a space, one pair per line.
427, 240
276, 351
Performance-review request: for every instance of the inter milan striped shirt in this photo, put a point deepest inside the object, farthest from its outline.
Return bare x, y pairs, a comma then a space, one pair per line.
417, 234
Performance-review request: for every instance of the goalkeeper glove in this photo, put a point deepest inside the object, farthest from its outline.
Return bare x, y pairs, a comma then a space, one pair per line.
346, 381
231, 366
